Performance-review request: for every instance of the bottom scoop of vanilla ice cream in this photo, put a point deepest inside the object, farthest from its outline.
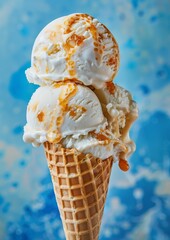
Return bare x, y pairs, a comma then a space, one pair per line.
61, 110
98, 144
121, 111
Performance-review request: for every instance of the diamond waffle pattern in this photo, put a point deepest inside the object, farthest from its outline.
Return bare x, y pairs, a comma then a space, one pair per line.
80, 183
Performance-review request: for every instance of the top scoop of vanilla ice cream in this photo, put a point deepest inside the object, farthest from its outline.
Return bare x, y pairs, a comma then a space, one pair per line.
63, 109
75, 47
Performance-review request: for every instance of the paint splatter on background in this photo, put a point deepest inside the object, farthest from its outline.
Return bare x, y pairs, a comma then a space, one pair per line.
138, 204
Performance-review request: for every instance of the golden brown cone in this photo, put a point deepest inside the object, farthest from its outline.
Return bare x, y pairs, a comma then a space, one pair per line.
80, 184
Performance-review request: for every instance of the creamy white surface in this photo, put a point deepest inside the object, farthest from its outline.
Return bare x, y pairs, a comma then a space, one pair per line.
90, 144
121, 111
69, 51
90, 65
46, 100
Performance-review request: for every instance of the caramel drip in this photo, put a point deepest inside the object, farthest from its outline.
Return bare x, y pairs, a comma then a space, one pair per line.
59, 84
101, 137
69, 47
111, 61
40, 116
116, 57
114, 60
66, 81
110, 87
55, 49
52, 133
72, 113
74, 19
75, 80
66, 94
73, 40
97, 40
58, 138
47, 69
59, 121
123, 164
76, 111
64, 97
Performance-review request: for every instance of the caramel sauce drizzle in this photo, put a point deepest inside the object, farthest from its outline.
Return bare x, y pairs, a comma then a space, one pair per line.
66, 81
111, 61
53, 50
40, 116
101, 137
69, 47
64, 97
76, 111
75, 80
74, 19
97, 37
47, 69
110, 87
123, 165
114, 60
75, 40
72, 41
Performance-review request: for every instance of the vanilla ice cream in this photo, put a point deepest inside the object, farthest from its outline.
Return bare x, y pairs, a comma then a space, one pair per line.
74, 60
63, 109
76, 47
120, 110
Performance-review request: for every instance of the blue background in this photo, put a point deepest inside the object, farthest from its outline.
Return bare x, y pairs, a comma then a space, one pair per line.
138, 203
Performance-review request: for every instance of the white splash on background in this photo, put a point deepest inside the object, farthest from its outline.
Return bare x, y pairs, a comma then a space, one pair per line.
138, 193
117, 207
11, 154
5, 11
157, 101
124, 181
142, 230
15, 178
163, 188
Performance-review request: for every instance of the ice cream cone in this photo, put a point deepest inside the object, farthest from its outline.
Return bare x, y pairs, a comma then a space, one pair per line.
80, 184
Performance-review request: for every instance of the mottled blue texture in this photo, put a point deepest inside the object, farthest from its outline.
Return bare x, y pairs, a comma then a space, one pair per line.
138, 203
19, 88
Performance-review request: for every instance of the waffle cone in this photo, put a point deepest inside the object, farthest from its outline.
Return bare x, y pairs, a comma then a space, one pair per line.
80, 184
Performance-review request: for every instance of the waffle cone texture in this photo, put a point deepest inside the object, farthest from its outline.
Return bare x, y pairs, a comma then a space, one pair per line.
80, 184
